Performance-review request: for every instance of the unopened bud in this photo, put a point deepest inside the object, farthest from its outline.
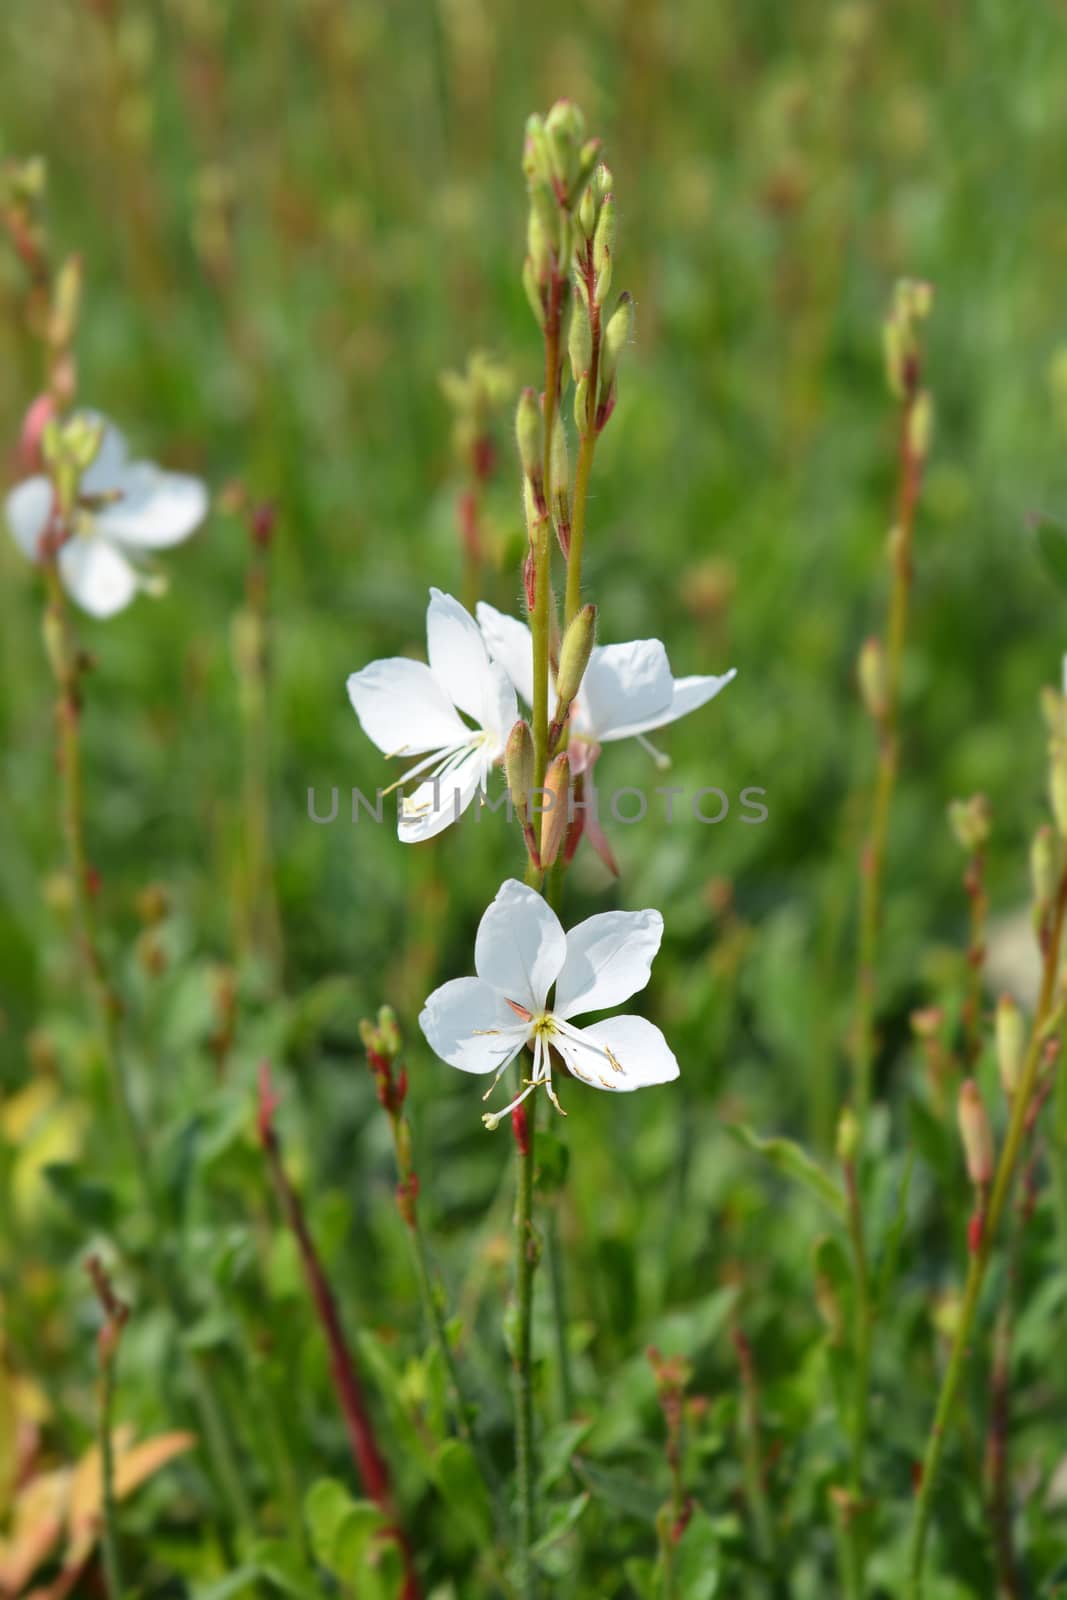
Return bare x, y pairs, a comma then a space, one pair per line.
1043, 854
971, 821
580, 339
873, 677
535, 163
587, 212
66, 304
604, 248
555, 818
926, 1022
531, 283
1011, 1043
577, 647
848, 1137
617, 333
389, 1030
519, 765
921, 426
529, 434
1058, 784
976, 1134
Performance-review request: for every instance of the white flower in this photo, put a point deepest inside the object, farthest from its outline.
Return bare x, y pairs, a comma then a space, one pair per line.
408, 709
626, 692
125, 508
481, 1024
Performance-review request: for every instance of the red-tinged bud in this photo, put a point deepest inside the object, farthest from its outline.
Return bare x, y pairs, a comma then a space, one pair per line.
529, 581
401, 1088
34, 423
555, 819
262, 524
268, 1105
976, 1134
975, 1229
521, 1129
1011, 1043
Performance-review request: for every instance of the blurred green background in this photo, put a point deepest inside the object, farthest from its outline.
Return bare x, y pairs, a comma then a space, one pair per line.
292, 219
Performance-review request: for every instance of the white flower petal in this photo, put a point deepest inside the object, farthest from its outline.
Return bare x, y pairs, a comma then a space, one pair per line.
689, 694
97, 575
437, 803
500, 709
511, 644
403, 709
28, 508
639, 1054
470, 1026
109, 459
625, 685
609, 958
520, 946
155, 509
457, 653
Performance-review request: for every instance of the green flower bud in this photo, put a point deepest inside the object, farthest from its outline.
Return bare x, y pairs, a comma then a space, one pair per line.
873, 678
1058, 784
535, 160
561, 481
389, 1030
1043, 864
604, 247
540, 236
530, 436
1011, 1043
580, 339
581, 406
971, 821
555, 819
577, 647
66, 304
921, 426
532, 285
519, 765
848, 1137
618, 333
587, 212
604, 180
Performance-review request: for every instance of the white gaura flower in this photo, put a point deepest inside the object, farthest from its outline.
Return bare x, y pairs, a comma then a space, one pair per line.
481, 1024
627, 690
409, 709
125, 510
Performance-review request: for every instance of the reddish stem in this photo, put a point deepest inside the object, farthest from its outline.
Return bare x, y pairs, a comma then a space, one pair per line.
368, 1457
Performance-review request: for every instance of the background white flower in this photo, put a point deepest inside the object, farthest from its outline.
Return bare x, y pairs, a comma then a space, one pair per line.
407, 709
481, 1024
138, 508
627, 691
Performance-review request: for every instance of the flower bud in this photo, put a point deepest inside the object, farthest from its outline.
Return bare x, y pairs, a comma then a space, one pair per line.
532, 286
848, 1137
976, 1134
970, 820
926, 1022
529, 434
587, 212
1011, 1043
921, 426
519, 765
1057, 774
618, 333
577, 647
66, 304
535, 164
604, 248
1043, 859
389, 1030
554, 817
580, 339
873, 677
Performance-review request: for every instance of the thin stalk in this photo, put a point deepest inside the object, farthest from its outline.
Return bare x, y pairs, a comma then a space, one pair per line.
755, 1490
583, 470
526, 1252
980, 1255
558, 1290
541, 619
974, 884
874, 852
263, 929
116, 1314
855, 1524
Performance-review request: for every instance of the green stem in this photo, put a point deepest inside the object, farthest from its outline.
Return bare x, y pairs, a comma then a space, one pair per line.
558, 1289
526, 1250
855, 1524
979, 1262
873, 866
541, 620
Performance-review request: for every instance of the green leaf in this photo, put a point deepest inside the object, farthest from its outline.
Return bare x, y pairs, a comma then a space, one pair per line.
698, 1559
92, 1203
619, 1489
276, 1560
557, 1448
457, 1475
1052, 543
341, 1528
788, 1158
560, 1522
